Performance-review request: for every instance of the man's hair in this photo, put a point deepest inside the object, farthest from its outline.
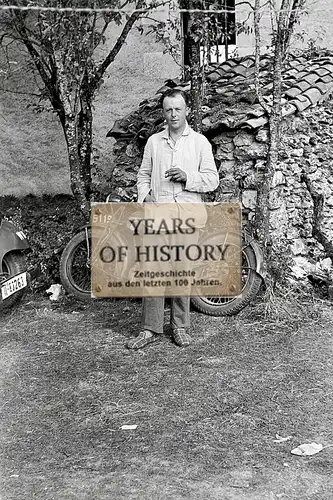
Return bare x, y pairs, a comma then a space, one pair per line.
174, 93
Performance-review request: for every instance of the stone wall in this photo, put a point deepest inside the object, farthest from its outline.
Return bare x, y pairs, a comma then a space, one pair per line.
303, 173
303, 176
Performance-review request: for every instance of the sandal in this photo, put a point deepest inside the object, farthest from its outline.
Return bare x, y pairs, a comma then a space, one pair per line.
144, 338
181, 338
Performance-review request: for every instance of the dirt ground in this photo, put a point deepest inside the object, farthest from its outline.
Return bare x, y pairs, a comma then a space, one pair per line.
206, 416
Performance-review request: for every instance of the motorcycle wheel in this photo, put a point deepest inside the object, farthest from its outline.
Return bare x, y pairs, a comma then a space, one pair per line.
228, 306
13, 263
75, 266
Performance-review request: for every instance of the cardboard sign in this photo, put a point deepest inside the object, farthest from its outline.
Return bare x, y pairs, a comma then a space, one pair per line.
159, 249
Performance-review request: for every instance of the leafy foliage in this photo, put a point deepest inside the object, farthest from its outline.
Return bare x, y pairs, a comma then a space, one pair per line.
62, 44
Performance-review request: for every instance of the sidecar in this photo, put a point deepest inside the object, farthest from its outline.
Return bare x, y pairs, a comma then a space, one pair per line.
14, 275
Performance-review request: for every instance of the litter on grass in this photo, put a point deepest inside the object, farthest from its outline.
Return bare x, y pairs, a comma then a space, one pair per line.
55, 291
280, 439
307, 449
128, 427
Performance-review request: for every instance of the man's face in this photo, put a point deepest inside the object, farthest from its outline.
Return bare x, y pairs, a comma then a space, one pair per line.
175, 112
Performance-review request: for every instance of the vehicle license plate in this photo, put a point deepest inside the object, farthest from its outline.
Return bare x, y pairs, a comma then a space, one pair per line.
13, 285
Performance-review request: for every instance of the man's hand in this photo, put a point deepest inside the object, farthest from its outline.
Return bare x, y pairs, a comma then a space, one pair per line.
176, 175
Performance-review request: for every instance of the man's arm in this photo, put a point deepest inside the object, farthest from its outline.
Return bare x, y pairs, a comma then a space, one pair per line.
207, 178
144, 173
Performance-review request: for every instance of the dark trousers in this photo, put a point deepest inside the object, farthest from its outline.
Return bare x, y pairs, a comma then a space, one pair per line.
153, 313
153, 307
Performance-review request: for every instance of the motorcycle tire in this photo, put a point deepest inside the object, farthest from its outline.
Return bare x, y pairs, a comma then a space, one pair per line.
228, 306
13, 263
75, 266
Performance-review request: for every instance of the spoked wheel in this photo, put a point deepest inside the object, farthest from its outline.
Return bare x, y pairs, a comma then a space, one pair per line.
75, 263
227, 306
75, 268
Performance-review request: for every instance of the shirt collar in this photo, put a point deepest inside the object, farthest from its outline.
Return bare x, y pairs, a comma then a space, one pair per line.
185, 132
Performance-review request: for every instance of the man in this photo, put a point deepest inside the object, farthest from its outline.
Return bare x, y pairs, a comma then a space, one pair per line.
177, 166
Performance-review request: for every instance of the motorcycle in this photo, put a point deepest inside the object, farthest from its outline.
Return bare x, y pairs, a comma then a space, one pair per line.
252, 279
14, 275
76, 280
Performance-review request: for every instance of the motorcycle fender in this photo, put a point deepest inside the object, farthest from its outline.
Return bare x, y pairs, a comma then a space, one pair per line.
11, 239
82, 228
88, 226
249, 240
259, 257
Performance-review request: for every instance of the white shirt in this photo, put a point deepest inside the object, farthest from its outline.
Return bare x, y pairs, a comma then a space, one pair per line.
192, 153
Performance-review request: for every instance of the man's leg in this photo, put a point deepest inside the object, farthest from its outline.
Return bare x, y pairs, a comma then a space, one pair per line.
152, 320
180, 320
180, 306
180, 312
153, 314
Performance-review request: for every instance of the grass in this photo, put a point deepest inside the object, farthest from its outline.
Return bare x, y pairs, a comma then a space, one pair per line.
206, 415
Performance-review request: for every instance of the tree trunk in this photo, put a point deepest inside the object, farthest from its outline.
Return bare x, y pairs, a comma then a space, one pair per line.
77, 176
195, 75
262, 208
262, 216
296, 7
85, 119
76, 132
196, 84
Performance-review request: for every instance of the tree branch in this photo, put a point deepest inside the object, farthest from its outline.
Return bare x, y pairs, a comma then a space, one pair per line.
35, 55
19, 92
257, 55
295, 9
318, 203
116, 48
94, 82
244, 3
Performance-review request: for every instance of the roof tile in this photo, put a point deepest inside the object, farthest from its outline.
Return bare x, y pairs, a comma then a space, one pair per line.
256, 122
303, 85
293, 92
288, 109
231, 63
256, 111
301, 103
243, 70
316, 66
268, 86
301, 75
302, 67
238, 79
310, 78
313, 94
294, 63
231, 99
322, 71
223, 70
323, 87
162, 89
329, 66
293, 73
326, 78
213, 77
